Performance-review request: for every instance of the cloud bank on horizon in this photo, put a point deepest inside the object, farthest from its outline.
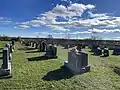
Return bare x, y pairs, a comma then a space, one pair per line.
71, 17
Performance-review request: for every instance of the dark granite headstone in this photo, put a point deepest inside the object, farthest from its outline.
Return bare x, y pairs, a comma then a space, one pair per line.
106, 52
116, 51
5, 58
36, 46
6, 65
98, 51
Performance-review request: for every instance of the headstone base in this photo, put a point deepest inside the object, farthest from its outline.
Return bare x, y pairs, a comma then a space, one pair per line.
77, 71
6, 72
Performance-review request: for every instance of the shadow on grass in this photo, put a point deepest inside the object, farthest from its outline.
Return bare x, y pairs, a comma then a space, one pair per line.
115, 54
41, 58
1, 52
26, 48
6, 77
1, 58
59, 74
117, 70
32, 52
104, 56
1, 48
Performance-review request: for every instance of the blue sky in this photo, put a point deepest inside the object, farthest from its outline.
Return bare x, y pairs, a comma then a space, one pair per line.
78, 18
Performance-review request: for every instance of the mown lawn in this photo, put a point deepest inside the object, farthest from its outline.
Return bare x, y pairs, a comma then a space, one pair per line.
47, 74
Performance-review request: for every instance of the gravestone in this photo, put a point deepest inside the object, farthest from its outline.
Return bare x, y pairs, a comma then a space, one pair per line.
77, 62
43, 46
13, 44
94, 48
9, 50
98, 51
36, 46
66, 46
106, 52
39, 46
32, 44
6, 65
78, 47
51, 51
116, 51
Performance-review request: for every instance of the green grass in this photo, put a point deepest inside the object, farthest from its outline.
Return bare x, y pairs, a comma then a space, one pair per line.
28, 75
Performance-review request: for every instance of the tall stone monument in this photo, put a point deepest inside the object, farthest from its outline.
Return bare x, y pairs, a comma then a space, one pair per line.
6, 65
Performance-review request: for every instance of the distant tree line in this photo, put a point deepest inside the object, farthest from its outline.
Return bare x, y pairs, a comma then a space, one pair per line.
6, 38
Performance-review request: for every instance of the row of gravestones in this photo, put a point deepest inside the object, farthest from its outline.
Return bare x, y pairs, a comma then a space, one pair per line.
99, 51
77, 59
51, 50
5, 70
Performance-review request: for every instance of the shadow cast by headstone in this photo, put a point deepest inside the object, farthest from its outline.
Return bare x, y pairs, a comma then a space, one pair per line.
32, 52
1, 48
1, 58
1, 52
40, 58
59, 74
117, 70
104, 56
115, 54
6, 77
26, 48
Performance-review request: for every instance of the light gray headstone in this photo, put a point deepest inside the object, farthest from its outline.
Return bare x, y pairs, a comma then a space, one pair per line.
77, 61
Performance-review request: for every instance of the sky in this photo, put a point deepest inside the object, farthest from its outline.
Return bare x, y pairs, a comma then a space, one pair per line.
60, 18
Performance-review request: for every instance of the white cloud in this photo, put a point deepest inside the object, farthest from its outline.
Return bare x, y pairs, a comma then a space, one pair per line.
78, 32
59, 28
68, 1
94, 30
49, 18
21, 27
4, 20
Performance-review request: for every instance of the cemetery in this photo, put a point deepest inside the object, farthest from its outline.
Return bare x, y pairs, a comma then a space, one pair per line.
50, 66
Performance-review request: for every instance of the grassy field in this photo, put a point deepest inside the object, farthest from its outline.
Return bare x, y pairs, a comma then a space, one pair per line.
47, 75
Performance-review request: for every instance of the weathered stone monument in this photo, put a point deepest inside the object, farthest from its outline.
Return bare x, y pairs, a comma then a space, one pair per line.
51, 51
77, 61
6, 65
